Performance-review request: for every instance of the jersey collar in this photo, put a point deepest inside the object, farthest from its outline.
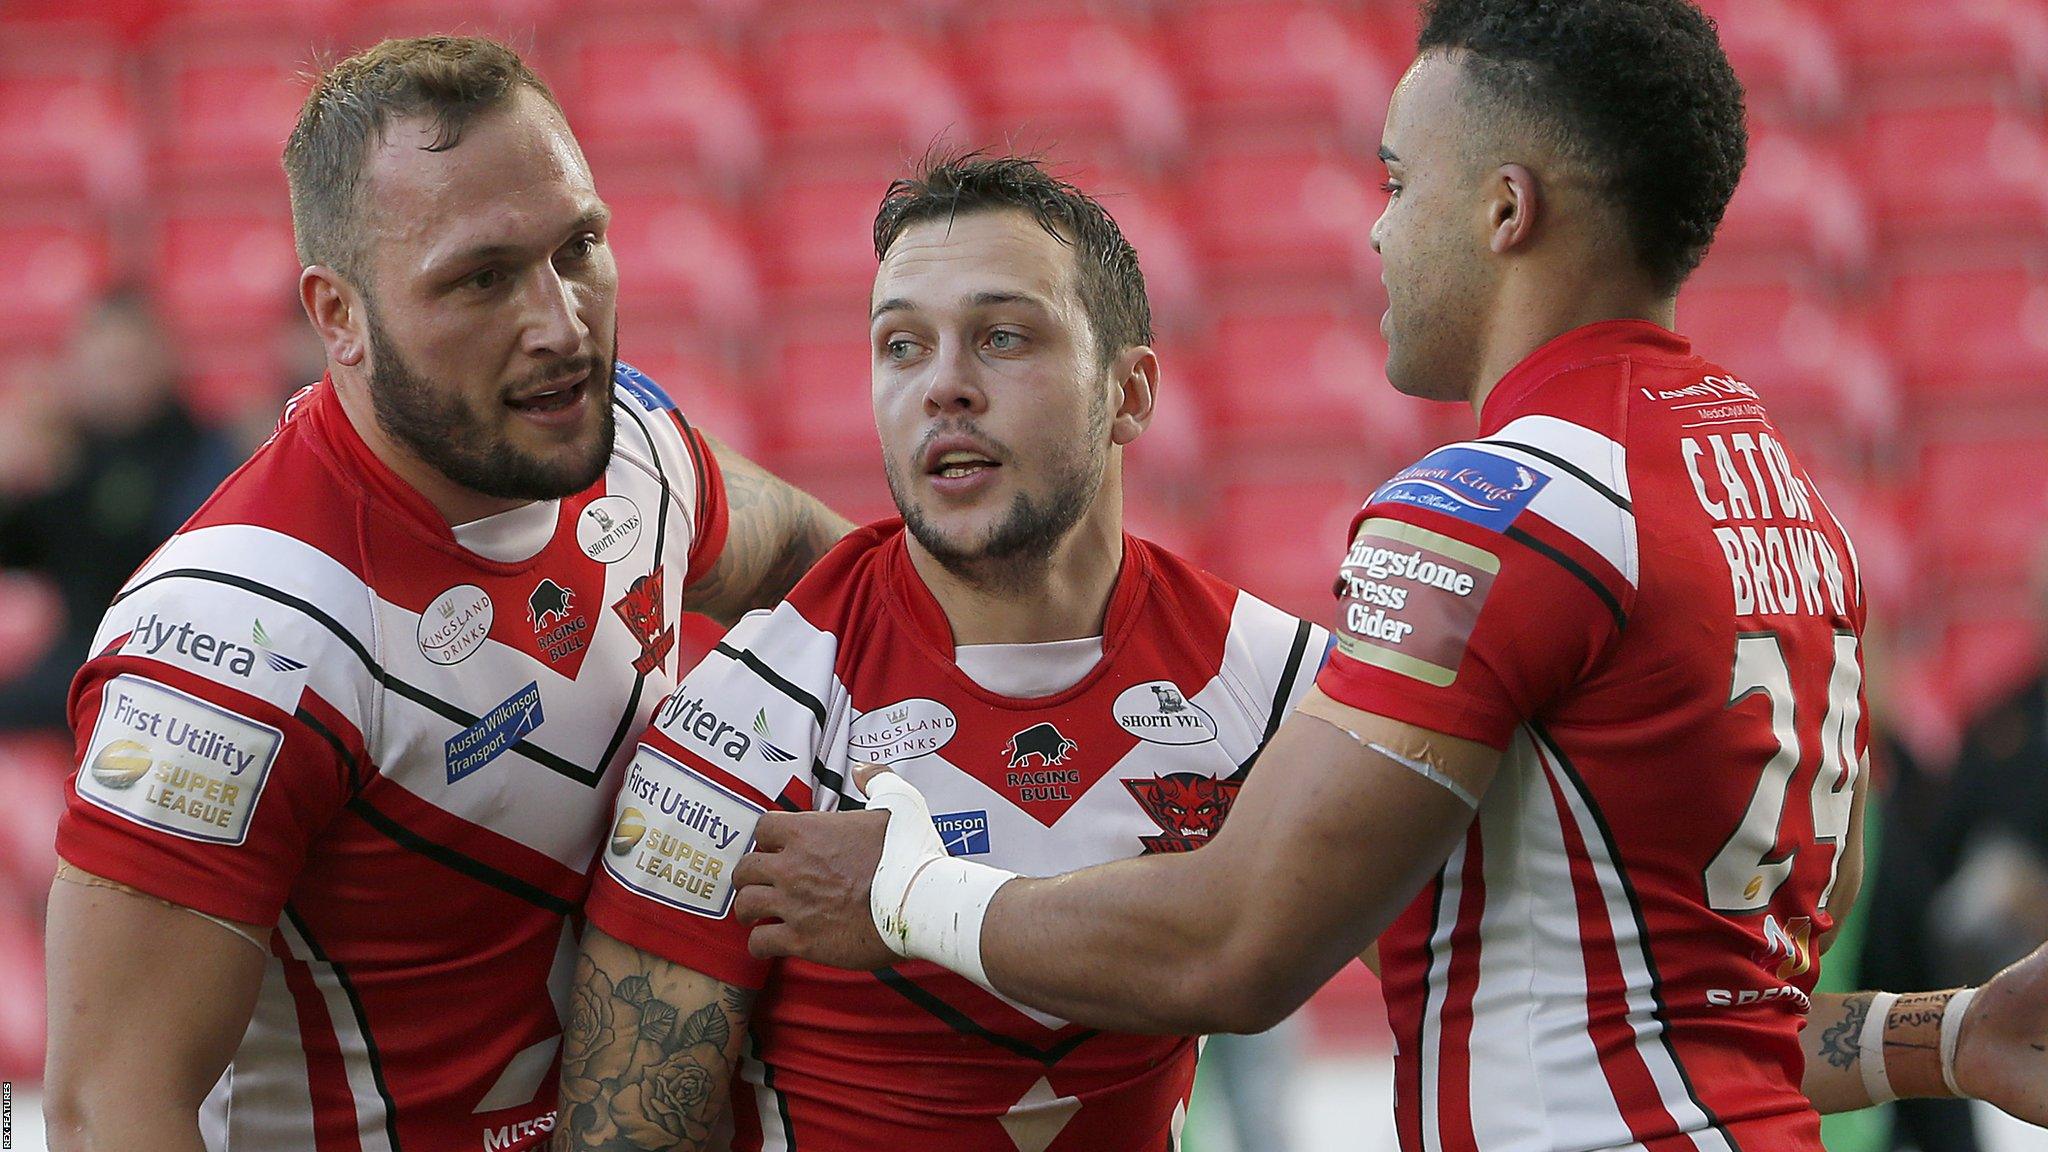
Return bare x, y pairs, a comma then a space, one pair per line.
1606, 340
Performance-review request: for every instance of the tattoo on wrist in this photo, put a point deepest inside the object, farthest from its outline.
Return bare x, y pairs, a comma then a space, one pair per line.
638, 1072
1841, 1044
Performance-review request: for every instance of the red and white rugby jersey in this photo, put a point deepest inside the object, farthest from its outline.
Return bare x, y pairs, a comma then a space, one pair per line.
1143, 752
1629, 584
313, 707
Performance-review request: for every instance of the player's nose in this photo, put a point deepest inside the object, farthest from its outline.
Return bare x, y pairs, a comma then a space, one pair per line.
955, 383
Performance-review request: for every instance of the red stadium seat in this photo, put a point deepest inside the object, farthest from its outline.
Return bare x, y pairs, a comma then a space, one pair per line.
682, 260
1796, 205
1059, 80
1279, 64
1786, 55
655, 92
63, 261
1937, 45
1959, 332
816, 403
23, 1021
523, 24
818, 238
67, 116
851, 82
1823, 378
1281, 534
1956, 171
224, 107
709, 395
1982, 507
1302, 218
1150, 213
226, 267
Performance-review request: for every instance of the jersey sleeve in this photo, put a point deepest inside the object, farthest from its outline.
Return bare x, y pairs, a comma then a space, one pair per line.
680, 449
1479, 584
217, 733
739, 736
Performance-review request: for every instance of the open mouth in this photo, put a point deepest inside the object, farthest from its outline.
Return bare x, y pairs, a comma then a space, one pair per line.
556, 397
958, 465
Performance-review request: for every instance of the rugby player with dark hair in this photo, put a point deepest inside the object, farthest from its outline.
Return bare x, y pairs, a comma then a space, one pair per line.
1065, 692
1589, 758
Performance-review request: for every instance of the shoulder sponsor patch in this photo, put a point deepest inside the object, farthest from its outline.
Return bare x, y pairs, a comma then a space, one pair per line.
636, 384
490, 737
1158, 713
901, 731
1408, 599
174, 762
1473, 485
676, 836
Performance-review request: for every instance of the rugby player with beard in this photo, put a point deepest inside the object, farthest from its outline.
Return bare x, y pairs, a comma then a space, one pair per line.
348, 738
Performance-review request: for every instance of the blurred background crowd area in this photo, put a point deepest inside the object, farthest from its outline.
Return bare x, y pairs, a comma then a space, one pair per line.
1882, 279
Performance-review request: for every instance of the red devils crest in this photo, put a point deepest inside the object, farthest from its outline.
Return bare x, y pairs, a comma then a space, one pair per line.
640, 608
1187, 806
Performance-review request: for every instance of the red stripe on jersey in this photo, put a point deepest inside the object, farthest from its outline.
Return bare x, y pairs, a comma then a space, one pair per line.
499, 852
1621, 1061
334, 1102
1454, 1020
668, 746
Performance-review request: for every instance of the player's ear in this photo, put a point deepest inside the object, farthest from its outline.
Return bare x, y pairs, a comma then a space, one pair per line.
1135, 372
1512, 205
337, 312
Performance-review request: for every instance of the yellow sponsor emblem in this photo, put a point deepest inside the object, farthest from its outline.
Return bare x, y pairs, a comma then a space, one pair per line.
121, 763
627, 832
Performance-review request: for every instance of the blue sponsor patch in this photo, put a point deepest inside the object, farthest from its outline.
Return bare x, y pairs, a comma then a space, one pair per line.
646, 391
1476, 486
964, 833
500, 728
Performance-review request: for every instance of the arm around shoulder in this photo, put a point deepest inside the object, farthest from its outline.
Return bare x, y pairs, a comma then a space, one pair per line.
774, 533
129, 1062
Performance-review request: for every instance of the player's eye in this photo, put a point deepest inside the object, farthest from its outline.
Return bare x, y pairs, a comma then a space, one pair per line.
900, 349
1004, 340
1391, 187
485, 280
582, 247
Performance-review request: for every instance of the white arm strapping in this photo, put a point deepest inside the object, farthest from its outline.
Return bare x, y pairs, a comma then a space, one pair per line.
1952, 1031
926, 904
1870, 1050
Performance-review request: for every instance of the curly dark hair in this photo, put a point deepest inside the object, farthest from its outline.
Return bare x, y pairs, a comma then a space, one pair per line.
1638, 89
945, 185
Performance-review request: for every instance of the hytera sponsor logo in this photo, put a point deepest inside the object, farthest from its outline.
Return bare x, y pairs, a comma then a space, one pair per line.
608, 529
160, 638
1709, 389
278, 661
455, 624
963, 833
677, 835
1156, 711
686, 716
1472, 485
770, 751
512, 1135
904, 730
172, 761
498, 730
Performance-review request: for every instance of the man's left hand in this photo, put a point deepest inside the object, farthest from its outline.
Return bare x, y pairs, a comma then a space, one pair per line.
2002, 1054
805, 888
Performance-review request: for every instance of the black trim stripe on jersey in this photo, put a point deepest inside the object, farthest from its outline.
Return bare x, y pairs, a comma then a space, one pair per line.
625, 726
1575, 568
960, 1022
1277, 714
467, 865
774, 680
781, 1100
588, 777
1635, 909
319, 728
1613, 497
355, 1004
1436, 904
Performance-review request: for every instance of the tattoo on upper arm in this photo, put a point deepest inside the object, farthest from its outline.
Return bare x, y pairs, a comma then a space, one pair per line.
642, 1072
774, 533
1842, 1043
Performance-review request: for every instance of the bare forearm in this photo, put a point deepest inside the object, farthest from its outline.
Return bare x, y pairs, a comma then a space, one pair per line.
1833, 1041
119, 1119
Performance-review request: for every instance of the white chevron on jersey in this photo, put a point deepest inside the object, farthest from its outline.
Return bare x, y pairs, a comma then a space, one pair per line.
1588, 495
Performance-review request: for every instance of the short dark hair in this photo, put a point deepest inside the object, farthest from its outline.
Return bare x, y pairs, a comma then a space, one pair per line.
946, 185
1639, 89
447, 78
